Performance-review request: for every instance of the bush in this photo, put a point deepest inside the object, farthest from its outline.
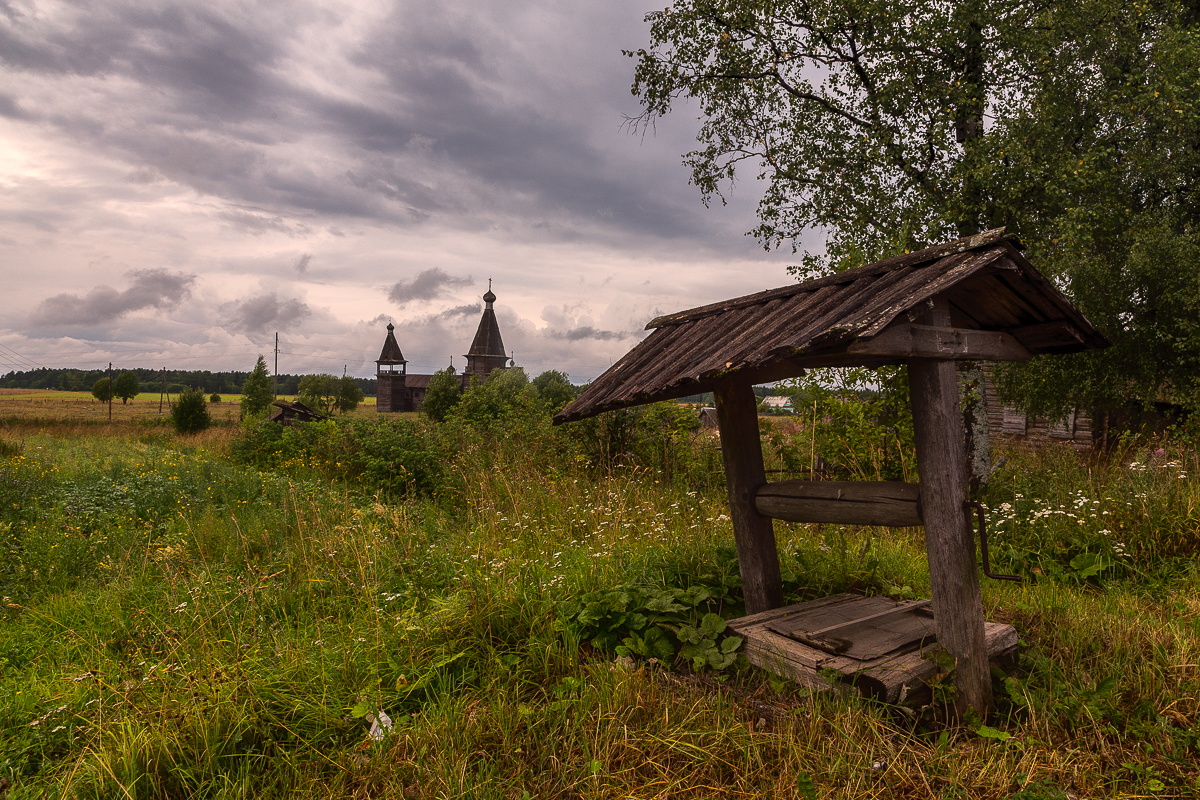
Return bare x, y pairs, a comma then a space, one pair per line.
390, 457
443, 394
554, 388
190, 413
503, 396
102, 390
216, 398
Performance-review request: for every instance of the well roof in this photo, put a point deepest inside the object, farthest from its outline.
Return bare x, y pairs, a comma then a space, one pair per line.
777, 333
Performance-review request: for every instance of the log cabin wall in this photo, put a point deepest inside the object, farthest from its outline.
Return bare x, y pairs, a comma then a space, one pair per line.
1006, 424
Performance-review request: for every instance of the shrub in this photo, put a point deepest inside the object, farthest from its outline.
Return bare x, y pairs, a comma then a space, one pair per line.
216, 398
190, 412
554, 388
391, 457
102, 390
443, 394
501, 397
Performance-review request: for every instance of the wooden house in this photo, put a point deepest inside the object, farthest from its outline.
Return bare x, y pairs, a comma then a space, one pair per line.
975, 299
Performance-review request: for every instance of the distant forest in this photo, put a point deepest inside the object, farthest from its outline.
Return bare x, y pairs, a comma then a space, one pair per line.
151, 380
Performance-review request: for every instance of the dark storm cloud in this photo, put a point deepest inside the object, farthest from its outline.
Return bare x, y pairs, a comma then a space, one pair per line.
264, 312
477, 112
428, 285
588, 332
150, 288
193, 53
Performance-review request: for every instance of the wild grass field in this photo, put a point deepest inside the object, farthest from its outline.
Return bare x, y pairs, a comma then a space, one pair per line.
399, 609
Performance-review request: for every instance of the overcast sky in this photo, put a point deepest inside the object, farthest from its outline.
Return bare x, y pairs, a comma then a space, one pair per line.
180, 181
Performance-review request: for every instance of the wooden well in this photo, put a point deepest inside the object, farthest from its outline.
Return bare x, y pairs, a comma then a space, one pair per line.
976, 299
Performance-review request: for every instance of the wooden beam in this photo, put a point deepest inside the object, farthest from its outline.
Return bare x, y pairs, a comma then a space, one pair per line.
949, 541
927, 341
754, 534
1049, 335
887, 503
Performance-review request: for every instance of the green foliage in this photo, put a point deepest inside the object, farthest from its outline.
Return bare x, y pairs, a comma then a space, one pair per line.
319, 392
389, 457
652, 622
214, 398
102, 390
126, 386
662, 437
350, 394
553, 388
229, 626
190, 412
443, 394
856, 421
504, 395
256, 391
866, 120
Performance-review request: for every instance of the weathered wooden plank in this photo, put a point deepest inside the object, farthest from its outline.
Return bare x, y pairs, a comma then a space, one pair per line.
901, 608
949, 542
897, 678
868, 640
886, 503
926, 341
754, 534
896, 262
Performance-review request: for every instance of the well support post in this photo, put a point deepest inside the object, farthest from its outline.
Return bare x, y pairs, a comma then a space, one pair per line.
949, 541
741, 450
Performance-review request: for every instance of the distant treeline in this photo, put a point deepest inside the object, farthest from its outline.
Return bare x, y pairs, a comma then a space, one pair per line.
151, 380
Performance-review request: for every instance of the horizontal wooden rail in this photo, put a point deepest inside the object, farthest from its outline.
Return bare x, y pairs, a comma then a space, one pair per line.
886, 503
948, 344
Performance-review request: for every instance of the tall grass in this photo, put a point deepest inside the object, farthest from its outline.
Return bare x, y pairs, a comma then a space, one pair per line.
179, 625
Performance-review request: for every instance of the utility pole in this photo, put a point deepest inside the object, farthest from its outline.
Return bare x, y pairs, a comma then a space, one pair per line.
275, 377
110, 391
162, 391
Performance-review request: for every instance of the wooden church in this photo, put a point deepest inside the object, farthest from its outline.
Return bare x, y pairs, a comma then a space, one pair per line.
400, 391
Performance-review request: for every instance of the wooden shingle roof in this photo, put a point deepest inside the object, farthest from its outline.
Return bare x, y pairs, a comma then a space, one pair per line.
391, 349
779, 333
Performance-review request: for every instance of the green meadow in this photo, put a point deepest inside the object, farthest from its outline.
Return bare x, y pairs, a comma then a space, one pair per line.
491, 607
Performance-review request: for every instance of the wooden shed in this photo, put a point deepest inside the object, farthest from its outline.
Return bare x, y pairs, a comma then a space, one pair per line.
976, 298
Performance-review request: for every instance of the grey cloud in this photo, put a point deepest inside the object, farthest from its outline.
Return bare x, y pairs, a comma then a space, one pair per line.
9, 108
588, 332
302, 264
261, 313
469, 310
428, 285
257, 223
150, 288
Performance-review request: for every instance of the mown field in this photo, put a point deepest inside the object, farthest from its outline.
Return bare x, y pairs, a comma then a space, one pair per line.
60, 407
537, 612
